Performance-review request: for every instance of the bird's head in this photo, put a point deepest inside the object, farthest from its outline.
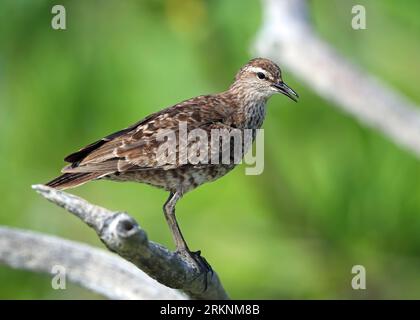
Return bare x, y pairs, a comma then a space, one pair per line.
262, 78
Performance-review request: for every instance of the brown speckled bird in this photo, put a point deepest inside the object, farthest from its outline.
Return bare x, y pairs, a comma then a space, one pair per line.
131, 154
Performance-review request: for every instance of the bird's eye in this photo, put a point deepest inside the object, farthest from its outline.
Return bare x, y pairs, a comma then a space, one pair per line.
261, 75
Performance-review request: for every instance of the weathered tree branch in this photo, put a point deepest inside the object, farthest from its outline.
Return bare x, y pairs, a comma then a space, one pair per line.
122, 235
288, 38
95, 269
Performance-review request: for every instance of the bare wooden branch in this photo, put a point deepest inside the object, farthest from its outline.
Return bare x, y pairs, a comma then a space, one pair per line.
288, 38
122, 235
95, 269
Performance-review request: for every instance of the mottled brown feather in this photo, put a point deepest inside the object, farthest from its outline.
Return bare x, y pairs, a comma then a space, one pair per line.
131, 154
133, 148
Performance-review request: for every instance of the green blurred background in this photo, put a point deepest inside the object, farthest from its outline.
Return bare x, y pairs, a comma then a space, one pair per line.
333, 194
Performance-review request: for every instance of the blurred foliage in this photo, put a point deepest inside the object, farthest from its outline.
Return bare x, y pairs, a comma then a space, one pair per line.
333, 194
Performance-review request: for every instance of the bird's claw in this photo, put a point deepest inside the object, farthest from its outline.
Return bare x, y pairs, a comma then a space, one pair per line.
201, 263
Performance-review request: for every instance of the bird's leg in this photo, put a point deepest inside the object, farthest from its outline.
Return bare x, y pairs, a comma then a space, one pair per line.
169, 211
181, 244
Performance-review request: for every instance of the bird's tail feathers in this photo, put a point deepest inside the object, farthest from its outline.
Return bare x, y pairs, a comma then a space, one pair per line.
71, 180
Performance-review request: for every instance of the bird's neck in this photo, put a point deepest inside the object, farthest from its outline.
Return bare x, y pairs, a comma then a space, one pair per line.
250, 107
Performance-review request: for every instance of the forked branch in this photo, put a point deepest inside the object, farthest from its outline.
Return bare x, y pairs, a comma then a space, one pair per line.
121, 234
95, 269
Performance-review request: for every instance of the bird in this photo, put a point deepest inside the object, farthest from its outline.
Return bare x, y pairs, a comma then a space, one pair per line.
131, 154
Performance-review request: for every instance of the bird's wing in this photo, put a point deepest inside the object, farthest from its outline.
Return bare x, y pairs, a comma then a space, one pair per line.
140, 146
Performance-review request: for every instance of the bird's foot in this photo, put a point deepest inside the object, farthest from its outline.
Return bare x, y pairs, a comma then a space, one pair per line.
200, 262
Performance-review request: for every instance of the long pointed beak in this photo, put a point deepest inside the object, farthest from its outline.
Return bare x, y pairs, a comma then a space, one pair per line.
286, 90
